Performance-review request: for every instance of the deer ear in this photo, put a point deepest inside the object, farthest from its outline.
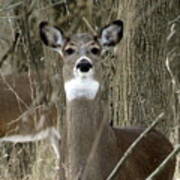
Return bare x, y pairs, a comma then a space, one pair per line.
111, 34
51, 36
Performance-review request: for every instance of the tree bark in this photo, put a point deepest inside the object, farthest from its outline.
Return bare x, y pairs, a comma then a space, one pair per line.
141, 87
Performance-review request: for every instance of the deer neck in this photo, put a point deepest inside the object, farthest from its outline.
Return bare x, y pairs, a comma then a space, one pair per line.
84, 118
90, 138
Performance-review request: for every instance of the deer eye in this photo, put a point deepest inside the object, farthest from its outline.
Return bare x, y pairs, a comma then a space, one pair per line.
95, 50
69, 51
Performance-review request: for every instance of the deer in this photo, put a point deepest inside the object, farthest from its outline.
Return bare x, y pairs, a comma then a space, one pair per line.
22, 118
94, 147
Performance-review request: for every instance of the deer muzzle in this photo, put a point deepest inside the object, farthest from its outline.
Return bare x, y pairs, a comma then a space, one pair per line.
84, 66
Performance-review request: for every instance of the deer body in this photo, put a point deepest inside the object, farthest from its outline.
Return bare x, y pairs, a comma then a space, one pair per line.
97, 163
20, 121
93, 146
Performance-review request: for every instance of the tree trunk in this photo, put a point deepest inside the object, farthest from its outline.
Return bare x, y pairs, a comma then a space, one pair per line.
141, 87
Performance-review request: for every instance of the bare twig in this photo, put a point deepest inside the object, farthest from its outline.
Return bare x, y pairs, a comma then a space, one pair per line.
89, 26
10, 50
32, 56
172, 61
13, 91
10, 17
164, 163
12, 6
133, 145
51, 6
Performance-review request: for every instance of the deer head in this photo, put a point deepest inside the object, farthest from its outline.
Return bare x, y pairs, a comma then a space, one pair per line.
81, 54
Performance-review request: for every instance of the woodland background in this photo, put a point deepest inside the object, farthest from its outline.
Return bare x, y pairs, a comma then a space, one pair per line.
143, 75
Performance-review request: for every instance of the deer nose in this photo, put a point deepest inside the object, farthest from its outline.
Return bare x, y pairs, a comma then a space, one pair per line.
84, 65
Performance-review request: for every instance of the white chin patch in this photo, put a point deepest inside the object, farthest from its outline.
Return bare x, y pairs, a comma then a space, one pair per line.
81, 87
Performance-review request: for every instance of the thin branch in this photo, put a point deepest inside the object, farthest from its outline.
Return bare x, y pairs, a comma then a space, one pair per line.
171, 63
10, 50
164, 163
10, 17
89, 26
19, 99
12, 6
133, 145
32, 57
51, 6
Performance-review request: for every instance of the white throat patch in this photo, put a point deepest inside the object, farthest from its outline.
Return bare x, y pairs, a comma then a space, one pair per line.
81, 88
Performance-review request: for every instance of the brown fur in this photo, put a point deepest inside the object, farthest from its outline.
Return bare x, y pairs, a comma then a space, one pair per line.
18, 114
84, 124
